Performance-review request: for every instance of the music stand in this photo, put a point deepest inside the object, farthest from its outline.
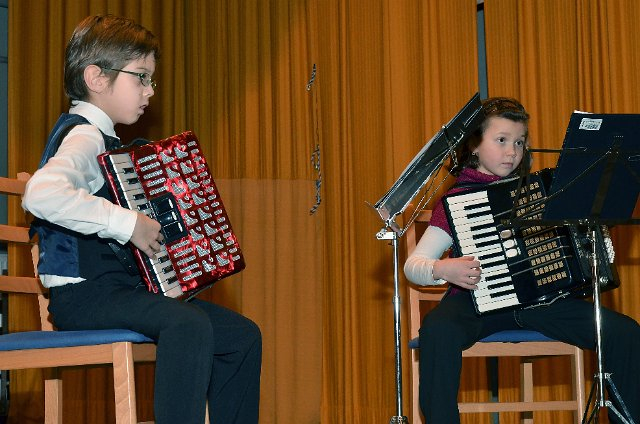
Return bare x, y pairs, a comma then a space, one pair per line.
596, 182
413, 180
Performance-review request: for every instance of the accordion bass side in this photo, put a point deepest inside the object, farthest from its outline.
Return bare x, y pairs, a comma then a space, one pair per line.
170, 181
526, 266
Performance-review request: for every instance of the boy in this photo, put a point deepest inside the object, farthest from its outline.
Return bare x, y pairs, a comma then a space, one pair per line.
204, 352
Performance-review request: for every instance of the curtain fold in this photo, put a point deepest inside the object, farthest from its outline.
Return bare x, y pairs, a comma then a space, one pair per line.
389, 78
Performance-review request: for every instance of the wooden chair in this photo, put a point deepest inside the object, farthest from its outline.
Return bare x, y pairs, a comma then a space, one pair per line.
47, 348
525, 344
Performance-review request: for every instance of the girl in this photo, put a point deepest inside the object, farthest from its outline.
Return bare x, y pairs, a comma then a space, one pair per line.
498, 149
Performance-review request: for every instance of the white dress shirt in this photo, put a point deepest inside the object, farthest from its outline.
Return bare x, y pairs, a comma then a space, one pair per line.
62, 191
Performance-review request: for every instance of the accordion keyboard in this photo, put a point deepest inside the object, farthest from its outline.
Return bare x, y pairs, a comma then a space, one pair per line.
132, 193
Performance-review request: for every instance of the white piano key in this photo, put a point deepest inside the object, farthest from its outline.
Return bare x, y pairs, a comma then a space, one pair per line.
496, 296
468, 197
460, 213
471, 221
120, 158
470, 234
511, 300
495, 270
473, 225
175, 291
477, 251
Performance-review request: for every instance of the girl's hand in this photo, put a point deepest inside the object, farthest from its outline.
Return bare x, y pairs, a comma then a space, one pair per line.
146, 235
463, 272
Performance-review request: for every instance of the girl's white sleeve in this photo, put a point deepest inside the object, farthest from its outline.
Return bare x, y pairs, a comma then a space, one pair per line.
419, 266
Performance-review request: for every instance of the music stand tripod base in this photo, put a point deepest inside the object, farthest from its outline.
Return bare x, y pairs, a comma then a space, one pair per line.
601, 378
594, 416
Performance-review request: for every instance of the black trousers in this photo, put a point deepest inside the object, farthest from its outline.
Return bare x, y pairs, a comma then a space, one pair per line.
204, 351
453, 326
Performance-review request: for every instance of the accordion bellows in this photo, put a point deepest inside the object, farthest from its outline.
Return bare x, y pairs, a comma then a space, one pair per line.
169, 180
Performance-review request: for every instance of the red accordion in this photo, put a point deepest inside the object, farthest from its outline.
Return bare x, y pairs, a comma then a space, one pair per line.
169, 180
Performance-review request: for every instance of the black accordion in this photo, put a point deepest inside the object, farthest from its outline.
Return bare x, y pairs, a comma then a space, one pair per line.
524, 266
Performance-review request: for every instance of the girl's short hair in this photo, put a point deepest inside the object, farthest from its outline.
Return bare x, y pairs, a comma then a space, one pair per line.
106, 41
502, 107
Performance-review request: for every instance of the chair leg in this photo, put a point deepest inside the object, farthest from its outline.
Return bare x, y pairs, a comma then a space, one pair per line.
53, 401
124, 383
526, 381
577, 361
415, 382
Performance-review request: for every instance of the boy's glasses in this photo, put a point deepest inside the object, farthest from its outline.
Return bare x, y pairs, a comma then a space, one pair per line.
145, 79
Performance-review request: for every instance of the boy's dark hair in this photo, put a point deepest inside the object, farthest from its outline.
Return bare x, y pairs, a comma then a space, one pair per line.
502, 107
105, 41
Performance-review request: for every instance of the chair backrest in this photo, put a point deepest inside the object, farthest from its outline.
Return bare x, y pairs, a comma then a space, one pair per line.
15, 235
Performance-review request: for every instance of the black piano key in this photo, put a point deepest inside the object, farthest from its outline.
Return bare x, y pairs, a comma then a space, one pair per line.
478, 214
500, 285
476, 206
482, 226
501, 294
486, 243
491, 255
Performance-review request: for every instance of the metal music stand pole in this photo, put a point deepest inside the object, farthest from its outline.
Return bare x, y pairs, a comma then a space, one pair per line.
418, 174
601, 378
385, 234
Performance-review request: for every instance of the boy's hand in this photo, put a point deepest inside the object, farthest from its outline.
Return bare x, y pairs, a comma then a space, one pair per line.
464, 272
146, 235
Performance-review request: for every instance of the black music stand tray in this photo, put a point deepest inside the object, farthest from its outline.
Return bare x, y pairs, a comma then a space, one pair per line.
596, 182
412, 181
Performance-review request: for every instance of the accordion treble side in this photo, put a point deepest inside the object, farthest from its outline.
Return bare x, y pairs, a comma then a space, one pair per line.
169, 180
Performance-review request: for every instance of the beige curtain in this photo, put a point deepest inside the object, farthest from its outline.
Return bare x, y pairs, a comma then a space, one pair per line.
389, 73
389, 77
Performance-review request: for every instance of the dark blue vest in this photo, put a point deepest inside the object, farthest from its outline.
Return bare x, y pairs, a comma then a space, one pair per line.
65, 252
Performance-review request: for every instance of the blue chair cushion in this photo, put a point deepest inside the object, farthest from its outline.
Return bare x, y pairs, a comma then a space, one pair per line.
507, 336
48, 339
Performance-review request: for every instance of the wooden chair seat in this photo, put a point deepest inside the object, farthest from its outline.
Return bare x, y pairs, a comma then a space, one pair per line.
47, 348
